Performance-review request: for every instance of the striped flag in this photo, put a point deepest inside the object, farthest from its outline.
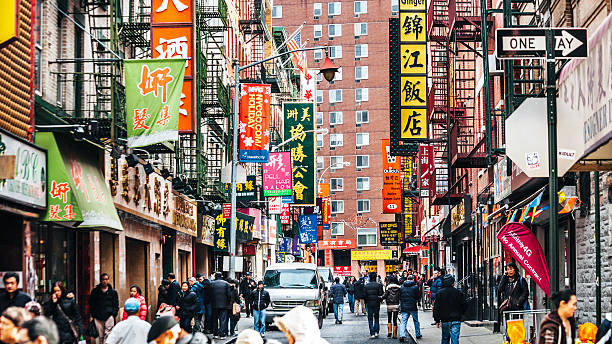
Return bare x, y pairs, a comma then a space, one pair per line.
299, 57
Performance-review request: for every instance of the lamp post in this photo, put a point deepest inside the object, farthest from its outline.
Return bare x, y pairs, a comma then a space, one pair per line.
328, 69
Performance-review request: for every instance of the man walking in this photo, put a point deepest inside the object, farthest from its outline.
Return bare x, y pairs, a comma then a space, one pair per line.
132, 330
338, 291
359, 296
373, 291
12, 297
221, 295
246, 288
409, 297
447, 311
103, 307
260, 301
173, 290
198, 289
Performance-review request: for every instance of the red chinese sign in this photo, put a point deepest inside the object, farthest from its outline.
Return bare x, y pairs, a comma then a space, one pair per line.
342, 271
425, 169
392, 185
285, 216
337, 244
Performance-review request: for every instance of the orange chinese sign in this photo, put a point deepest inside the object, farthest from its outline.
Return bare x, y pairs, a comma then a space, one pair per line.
173, 42
171, 11
185, 111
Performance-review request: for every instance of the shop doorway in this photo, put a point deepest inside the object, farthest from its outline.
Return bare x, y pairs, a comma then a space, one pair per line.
183, 265
168, 252
136, 254
107, 256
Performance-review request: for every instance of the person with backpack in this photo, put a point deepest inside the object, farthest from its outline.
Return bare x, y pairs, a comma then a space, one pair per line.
392, 299
64, 312
198, 288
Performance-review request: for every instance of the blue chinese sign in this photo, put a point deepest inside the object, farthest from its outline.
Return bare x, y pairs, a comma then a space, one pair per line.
308, 229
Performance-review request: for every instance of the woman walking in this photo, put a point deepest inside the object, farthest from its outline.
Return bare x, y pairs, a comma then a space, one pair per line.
136, 293
559, 326
350, 291
64, 312
392, 299
187, 306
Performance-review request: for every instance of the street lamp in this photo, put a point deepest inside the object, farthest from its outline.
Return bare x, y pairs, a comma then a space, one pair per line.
328, 69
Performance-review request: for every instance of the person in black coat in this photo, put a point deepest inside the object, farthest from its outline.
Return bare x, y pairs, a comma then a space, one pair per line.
350, 291
187, 306
373, 291
235, 299
65, 314
337, 293
247, 285
513, 287
448, 309
104, 307
260, 300
162, 293
409, 298
173, 290
12, 297
220, 296
360, 296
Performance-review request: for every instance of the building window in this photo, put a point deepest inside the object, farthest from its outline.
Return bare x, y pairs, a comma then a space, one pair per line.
361, 50
335, 117
319, 77
362, 139
363, 206
336, 162
277, 11
362, 116
336, 184
361, 94
336, 140
318, 54
335, 52
361, 7
361, 72
317, 10
318, 32
334, 30
363, 183
363, 161
319, 140
337, 207
394, 7
337, 228
361, 29
320, 162
334, 8
366, 236
319, 116
335, 96
319, 96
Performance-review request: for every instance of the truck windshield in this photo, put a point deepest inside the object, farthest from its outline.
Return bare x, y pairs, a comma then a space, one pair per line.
297, 278
326, 274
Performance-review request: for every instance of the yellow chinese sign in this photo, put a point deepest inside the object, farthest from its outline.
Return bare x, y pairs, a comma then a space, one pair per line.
412, 27
412, 5
222, 233
414, 123
371, 255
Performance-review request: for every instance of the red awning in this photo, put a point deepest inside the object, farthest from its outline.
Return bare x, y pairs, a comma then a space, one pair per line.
414, 249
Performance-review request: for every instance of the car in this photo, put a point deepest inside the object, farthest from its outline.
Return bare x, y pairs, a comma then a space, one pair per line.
328, 278
291, 285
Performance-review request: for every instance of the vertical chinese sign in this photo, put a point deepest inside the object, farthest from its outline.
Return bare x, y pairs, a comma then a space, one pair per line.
425, 169
299, 124
413, 118
309, 85
172, 37
392, 188
254, 123
277, 175
222, 233
308, 229
152, 96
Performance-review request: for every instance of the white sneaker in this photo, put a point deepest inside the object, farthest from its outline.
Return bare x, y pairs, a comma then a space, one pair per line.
372, 336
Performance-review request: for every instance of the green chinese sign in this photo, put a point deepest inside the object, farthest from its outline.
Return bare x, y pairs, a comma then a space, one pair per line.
299, 124
152, 99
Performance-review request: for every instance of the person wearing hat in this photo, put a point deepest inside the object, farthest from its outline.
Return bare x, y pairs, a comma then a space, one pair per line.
165, 330
132, 330
449, 307
260, 300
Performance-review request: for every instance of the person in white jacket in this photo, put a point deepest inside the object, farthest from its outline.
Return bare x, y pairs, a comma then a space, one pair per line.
300, 326
132, 330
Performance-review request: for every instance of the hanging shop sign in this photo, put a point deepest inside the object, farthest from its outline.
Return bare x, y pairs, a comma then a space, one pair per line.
309, 84
461, 214
256, 214
248, 250
392, 185
275, 205
425, 170
502, 186
338, 244
77, 192
245, 227
25, 167
408, 218
389, 233
299, 123
308, 229
285, 216
184, 214
207, 235
277, 175
326, 213
371, 255
171, 12
342, 270
254, 123
152, 98
323, 190
245, 192
222, 233
272, 230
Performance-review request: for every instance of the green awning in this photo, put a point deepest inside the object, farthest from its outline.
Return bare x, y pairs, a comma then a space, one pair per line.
77, 190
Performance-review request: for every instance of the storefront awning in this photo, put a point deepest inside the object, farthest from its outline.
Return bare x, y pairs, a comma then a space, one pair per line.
77, 191
414, 249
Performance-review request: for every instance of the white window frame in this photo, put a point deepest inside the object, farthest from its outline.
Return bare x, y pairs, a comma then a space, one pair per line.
334, 8
337, 228
275, 10
337, 117
339, 184
363, 8
367, 157
337, 76
394, 7
365, 181
317, 31
319, 117
363, 135
317, 6
364, 95
363, 71
318, 54
336, 140
320, 162
363, 51
357, 28
338, 203
320, 141
337, 30
319, 77
336, 162
359, 116
364, 201
335, 96
335, 52
368, 232
319, 96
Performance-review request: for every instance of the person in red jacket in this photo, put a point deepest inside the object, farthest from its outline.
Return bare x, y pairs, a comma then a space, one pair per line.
136, 293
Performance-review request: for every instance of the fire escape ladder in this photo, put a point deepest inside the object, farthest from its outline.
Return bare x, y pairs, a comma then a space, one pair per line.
253, 26
135, 30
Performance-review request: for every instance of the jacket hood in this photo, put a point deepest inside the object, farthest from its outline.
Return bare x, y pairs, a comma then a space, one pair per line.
409, 284
555, 319
392, 285
302, 325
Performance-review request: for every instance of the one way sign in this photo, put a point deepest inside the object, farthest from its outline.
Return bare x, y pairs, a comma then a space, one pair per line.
531, 43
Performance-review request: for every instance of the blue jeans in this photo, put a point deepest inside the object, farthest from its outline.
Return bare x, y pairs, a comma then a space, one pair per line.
208, 318
373, 313
450, 331
403, 332
351, 302
338, 311
259, 321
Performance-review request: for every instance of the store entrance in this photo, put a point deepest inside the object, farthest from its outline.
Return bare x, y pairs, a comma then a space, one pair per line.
136, 265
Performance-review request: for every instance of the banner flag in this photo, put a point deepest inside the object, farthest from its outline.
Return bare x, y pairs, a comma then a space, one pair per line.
277, 175
254, 123
152, 100
299, 125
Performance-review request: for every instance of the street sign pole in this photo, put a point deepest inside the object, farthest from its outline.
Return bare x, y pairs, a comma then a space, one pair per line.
551, 97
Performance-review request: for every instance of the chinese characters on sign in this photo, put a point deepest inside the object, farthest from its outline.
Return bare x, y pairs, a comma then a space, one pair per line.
425, 169
308, 229
244, 192
392, 188
337, 244
342, 270
309, 85
222, 233
389, 233
277, 175
409, 190
299, 124
254, 123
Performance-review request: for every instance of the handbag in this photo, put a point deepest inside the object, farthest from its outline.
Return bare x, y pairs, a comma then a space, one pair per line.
92, 330
235, 309
504, 306
73, 329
